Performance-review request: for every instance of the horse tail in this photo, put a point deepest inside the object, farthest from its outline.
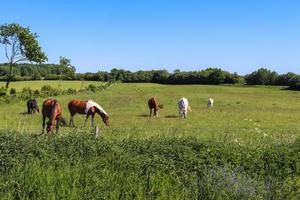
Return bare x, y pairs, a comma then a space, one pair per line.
189, 108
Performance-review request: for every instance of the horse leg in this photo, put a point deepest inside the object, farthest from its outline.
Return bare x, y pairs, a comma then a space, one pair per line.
57, 125
185, 113
150, 112
44, 123
87, 116
92, 121
93, 115
155, 112
71, 123
28, 108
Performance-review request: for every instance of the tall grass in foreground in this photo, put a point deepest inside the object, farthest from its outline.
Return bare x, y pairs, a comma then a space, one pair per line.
81, 167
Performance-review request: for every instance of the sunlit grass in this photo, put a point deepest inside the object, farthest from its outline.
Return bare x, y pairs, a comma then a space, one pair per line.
245, 115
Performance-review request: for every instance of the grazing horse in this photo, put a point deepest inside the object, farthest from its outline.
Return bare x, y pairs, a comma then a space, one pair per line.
32, 106
210, 103
183, 106
154, 105
88, 108
52, 110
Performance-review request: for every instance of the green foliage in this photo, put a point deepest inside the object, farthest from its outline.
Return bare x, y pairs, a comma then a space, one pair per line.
20, 45
262, 77
3, 91
24, 41
70, 91
47, 90
80, 166
92, 88
26, 93
12, 91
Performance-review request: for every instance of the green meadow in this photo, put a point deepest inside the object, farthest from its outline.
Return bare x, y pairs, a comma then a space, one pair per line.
245, 147
241, 114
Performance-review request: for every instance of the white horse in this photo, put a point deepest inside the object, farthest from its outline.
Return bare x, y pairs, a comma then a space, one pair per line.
183, 106
210, 103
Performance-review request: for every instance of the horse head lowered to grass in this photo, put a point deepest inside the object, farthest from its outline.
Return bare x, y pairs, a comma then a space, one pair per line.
154, 105
32, 106
53, 111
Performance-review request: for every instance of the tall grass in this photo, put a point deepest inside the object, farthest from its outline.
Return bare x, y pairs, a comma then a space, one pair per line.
80, 166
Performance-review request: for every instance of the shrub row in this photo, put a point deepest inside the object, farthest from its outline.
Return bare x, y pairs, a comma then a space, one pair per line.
46, 91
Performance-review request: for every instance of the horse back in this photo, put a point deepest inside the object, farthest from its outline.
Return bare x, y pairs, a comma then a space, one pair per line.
77, 106
48, 107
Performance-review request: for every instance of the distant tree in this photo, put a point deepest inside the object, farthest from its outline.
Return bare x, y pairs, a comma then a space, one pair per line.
66, 67
66, 62
160, 76
216, 76
176, 71
20, 45
261, 77
288, 79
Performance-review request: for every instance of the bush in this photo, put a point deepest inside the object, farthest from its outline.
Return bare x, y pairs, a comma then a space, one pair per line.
36, 93
3, 91
92, 88
12, 92
70, 91
26, 93
47, 90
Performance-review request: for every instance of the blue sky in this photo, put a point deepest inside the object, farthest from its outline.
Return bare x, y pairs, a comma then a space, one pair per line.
235, 35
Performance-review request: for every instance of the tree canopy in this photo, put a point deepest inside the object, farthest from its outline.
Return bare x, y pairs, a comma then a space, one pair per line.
20, 45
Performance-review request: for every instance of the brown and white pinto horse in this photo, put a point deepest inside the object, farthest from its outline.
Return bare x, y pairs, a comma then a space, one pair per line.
80, 107
52, 110
154, 105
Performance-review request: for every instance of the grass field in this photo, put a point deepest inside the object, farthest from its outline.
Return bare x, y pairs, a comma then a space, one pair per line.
246, 147
241, 114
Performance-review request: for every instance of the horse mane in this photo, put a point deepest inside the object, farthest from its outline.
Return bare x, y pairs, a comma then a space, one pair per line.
101, 112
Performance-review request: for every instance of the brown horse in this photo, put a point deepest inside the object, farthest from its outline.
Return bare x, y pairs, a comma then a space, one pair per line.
88, 108
52, 110
154, 105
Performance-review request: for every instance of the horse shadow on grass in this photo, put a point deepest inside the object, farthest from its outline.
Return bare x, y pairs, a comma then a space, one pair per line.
24, 113
143, 115
171, 116
168, 116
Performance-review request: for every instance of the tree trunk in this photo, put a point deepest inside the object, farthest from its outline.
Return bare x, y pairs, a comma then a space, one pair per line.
9, 75
7, 83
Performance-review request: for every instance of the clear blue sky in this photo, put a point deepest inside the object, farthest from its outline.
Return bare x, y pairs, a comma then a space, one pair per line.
235, 35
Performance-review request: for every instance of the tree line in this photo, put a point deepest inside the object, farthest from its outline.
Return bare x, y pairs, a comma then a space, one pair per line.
215, 76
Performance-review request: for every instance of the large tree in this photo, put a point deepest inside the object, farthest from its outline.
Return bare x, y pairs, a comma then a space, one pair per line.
20, 45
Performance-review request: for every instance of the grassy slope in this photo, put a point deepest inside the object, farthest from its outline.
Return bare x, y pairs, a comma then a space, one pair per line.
243, 115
